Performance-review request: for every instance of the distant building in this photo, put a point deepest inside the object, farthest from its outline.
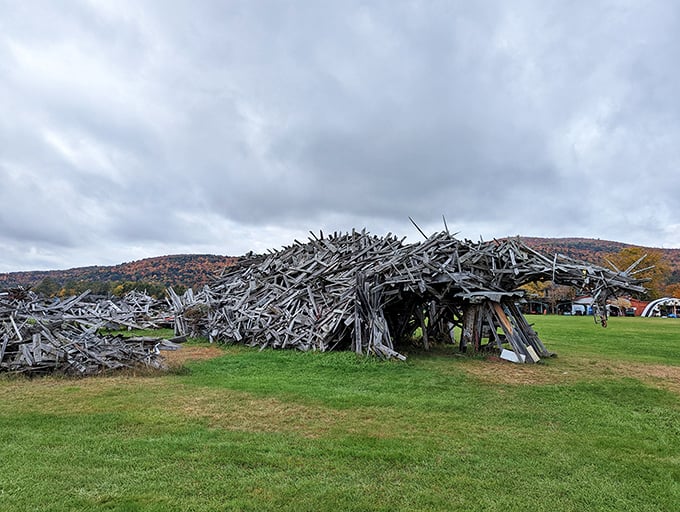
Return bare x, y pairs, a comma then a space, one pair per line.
636, 307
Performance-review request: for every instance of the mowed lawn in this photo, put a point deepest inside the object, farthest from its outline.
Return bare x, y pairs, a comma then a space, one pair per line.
597, 428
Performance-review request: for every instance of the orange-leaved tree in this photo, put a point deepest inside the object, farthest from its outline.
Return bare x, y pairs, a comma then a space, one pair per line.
672, 290
653, 267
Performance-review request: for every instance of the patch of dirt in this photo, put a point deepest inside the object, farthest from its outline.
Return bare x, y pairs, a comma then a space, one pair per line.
556, 371
497, 371
176, 358
656, 375
231, 410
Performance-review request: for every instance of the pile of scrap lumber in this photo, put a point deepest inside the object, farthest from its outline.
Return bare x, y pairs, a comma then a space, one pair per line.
135, 310
40, 336
365, 293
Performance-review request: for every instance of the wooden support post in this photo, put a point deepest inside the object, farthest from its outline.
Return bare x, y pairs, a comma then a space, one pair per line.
423, 328
472, 328
511, 334
529, 333
478, 333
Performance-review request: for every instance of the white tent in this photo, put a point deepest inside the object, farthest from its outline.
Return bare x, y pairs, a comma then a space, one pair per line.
662, 307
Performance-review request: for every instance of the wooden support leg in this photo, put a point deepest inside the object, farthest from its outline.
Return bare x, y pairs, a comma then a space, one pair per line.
423, 327
472, 328
513, 336
530, 335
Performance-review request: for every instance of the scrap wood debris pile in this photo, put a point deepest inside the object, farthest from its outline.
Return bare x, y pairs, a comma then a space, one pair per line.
43, 336
363, 292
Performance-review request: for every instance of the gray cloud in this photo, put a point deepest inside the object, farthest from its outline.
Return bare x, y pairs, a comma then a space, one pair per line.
139, 128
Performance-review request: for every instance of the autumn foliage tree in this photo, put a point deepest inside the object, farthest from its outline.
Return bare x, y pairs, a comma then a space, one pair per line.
654, 267
672, 290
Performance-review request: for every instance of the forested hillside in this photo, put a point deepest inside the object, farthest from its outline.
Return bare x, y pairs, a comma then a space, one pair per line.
182, 270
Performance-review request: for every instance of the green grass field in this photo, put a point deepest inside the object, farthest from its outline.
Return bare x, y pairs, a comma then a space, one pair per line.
597, 428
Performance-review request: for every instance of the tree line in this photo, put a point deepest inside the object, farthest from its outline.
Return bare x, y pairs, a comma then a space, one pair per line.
50, 287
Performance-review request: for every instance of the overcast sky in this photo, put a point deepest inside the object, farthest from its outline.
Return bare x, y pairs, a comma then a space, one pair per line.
144, 128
